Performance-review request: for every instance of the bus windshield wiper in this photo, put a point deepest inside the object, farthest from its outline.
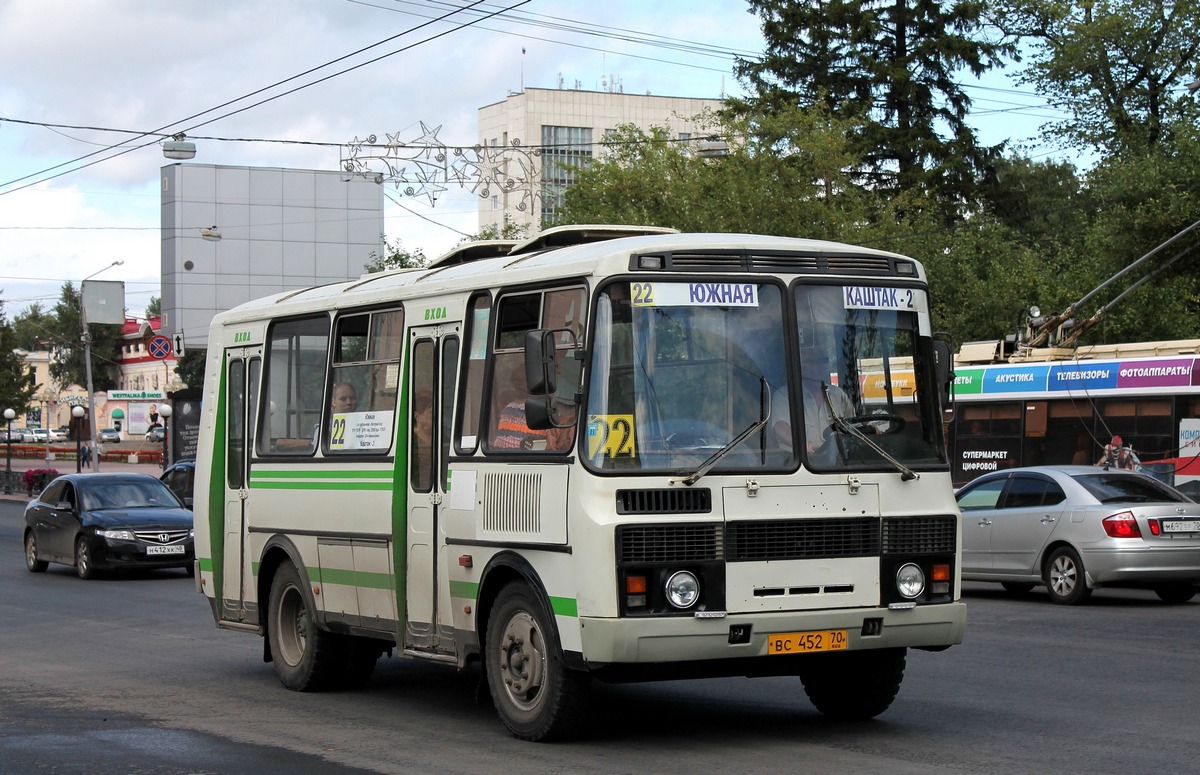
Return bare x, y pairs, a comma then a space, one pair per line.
714, 458
906, 473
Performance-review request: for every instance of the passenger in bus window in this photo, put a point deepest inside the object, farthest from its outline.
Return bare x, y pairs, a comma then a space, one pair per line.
423, 419
816, 379
560, 439
512, 431
344, 398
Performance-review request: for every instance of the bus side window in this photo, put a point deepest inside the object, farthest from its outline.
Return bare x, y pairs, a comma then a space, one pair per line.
517, 314
471, 401
296, 356
363, 382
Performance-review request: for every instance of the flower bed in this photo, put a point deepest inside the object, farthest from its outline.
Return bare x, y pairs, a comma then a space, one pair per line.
36, 479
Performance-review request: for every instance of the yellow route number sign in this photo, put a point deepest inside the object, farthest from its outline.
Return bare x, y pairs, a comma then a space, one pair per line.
611, 435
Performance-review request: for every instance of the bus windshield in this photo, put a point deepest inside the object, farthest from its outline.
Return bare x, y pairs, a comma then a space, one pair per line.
680, 369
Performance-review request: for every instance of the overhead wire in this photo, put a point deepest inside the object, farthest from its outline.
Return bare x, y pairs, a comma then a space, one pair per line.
262, 90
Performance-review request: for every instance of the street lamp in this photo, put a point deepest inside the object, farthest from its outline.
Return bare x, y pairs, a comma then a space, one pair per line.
164, 411
77, 412
87, 358
9, 415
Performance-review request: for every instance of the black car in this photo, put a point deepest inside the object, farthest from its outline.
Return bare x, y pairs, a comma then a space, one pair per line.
179, 476
99, 521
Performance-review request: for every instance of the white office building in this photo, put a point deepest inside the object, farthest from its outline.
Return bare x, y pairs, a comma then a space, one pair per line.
231, 234
532, 138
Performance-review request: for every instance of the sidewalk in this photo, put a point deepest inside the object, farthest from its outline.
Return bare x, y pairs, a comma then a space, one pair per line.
21, 465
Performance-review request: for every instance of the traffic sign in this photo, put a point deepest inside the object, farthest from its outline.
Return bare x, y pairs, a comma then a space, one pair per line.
178, 340
160, 347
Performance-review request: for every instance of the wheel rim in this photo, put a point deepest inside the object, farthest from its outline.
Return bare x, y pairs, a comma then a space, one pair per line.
522, 661
1064, 575
83, 562
31, 550
291, 625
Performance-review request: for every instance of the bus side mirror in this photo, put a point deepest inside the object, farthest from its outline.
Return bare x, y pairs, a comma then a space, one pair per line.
541, 361
943, 368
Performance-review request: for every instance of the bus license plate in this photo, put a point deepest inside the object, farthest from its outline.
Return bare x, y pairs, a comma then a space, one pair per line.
806, 642
1181, 525
178, 549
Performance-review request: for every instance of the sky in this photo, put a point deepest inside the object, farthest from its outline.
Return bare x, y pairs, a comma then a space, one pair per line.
76, 196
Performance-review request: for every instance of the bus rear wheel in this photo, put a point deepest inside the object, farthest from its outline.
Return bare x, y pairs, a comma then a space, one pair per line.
306, 658
537, 696
853, 685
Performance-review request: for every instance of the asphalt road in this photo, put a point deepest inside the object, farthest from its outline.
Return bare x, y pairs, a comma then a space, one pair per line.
129, 675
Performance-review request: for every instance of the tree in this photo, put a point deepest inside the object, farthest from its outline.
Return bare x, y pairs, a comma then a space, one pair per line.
783, 174
190, 367
1116, 68
31, 327
890, 67
67, 364
154, 308
16, 381
395, 257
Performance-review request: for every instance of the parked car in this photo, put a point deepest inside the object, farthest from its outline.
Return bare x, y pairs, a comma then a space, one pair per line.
109, 435
179, 476
37, 435
156, 434
1076, 528
107, 520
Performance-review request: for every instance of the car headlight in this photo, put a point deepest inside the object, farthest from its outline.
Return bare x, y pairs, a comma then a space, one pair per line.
117, 535
910, 581
683, 589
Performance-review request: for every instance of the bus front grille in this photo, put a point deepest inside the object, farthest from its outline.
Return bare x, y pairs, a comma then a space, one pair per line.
796, 262
919, 535
642, 544
665, 501
802, 539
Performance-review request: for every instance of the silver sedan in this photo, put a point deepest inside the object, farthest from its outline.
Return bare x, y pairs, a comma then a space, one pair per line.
1075, 528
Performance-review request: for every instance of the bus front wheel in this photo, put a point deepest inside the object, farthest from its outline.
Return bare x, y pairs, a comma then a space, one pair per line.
305, 657
853, 685
536, 695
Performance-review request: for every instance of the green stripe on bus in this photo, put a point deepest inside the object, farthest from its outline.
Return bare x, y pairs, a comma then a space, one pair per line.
206, 563
310, 485
564, 606
274, 473
353, 578
464, 589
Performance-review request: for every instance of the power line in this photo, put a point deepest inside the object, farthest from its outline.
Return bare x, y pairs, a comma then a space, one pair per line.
264, 89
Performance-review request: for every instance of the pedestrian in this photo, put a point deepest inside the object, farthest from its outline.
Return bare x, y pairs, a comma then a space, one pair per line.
85, 456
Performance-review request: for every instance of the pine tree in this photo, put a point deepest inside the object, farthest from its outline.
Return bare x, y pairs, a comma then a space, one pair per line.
891, 67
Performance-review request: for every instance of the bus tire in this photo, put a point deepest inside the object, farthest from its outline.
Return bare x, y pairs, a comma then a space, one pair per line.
853, 685
1065, 578
537, 697
360, 656
306, 658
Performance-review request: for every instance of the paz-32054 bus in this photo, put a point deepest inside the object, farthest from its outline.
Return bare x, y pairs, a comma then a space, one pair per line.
605, 453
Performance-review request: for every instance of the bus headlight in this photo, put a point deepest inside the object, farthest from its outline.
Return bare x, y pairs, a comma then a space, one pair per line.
910, 581
683, 589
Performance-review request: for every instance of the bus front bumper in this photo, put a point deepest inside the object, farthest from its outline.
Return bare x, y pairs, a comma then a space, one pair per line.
645, 640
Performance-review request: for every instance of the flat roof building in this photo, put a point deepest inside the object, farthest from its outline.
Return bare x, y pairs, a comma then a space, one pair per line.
534, 136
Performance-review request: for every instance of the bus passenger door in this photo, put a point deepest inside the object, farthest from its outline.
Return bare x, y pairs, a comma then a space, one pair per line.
243, 367
432, 376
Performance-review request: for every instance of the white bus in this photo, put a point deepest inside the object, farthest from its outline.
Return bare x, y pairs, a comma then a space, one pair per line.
607, 453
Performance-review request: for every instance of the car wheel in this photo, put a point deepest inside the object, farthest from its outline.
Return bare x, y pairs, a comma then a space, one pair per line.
306, 658
1065, 577
31, 555
1017, 587
1180, 592
536, 695
853, 685
83, 559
